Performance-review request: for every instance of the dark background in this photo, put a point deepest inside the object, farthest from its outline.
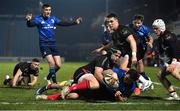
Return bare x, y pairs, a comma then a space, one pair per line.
75, 42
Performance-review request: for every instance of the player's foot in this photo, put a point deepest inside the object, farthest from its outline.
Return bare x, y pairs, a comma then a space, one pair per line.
146, 86
41, 97
137, 91
173, 96
41, 90
7, 80
152, 85
65, 92
7, 77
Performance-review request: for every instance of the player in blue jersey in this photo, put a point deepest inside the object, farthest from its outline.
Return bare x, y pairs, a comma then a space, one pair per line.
144, 39
46, 25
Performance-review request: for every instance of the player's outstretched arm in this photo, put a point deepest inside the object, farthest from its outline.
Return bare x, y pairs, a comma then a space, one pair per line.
29, 22
70, 22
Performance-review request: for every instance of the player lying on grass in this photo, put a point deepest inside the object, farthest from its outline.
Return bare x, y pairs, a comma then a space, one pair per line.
82, 74
25, 73
117, 85
85, 75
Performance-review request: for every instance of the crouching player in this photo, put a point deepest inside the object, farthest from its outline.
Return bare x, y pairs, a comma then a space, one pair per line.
25, 73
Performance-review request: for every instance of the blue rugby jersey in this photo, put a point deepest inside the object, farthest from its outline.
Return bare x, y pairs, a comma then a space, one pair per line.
125, 89
46, 28
142, 33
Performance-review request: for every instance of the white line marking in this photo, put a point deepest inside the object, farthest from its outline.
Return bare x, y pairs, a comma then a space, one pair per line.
75, 103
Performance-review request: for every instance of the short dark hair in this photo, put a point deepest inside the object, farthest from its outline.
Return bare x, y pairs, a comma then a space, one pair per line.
134, 75
138, 17
35, 60
46, 5
112, 15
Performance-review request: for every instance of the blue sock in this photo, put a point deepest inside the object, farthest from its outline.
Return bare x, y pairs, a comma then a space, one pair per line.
53, 74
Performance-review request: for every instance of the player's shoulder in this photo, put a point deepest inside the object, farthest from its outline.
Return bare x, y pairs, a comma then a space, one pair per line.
144, 28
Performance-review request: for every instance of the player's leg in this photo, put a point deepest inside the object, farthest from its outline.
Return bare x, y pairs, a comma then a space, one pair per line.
47, 87
145, 83
167, 84
52, 72
57, 63
86, 81
57, 60
57, 96
176, 72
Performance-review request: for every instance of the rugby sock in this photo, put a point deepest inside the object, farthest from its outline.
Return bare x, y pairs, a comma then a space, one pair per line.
53, 74
144, 75
49, 75
54, 97
142, 79
82, 85
49, 86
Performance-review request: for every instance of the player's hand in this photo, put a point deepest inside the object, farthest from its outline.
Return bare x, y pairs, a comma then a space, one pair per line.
119, 97
171, 67
79, 20
134, 59
29, 17
149, 44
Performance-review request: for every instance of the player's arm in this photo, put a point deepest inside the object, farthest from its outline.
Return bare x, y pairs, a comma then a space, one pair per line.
29, 21
124, 63
98, 73
104, 47
133, 46
150, 41
34, 80
16, 77
70, 23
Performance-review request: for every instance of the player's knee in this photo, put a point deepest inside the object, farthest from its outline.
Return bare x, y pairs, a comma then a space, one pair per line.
94, 85
51, 63
72, 96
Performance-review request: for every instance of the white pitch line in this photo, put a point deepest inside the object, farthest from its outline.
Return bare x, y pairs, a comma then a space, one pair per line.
106, 103
157, 83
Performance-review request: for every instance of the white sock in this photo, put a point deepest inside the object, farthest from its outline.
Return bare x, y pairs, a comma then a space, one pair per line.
142, 79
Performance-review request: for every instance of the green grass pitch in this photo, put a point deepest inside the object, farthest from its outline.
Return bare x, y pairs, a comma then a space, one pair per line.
24, 98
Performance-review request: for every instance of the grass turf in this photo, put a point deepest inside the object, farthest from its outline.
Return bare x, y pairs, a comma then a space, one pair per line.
24, 98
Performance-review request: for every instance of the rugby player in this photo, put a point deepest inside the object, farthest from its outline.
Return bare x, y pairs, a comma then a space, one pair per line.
46, 25
25, 73
169, 50
144, 39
